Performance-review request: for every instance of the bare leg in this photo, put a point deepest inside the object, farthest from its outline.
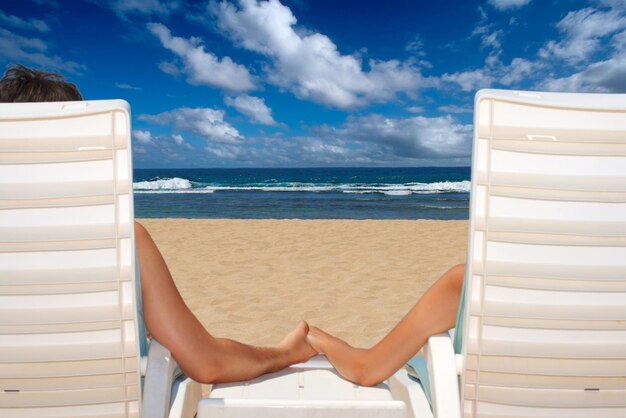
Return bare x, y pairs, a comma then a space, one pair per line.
201, 356
434, 312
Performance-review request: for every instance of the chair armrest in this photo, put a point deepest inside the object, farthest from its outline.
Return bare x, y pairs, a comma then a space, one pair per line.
158, 381
412, 393
442, 372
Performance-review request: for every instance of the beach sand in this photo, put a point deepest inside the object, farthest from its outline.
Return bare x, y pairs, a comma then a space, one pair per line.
252, 280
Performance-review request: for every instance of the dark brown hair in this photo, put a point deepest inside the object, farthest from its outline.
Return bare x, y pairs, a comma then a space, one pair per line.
23, 84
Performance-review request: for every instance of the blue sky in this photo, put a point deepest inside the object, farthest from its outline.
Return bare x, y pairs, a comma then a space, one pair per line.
311, 83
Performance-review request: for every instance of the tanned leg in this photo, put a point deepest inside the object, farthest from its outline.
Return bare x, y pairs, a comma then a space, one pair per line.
433, 313
201, 356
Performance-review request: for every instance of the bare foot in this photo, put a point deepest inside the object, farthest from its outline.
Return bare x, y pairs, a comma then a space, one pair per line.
295, 344
349, 361
320, 339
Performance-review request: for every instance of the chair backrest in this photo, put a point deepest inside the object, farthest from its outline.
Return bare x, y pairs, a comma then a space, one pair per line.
545, 318
68, 325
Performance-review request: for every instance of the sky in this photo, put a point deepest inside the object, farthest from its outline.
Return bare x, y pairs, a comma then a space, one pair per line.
313, 83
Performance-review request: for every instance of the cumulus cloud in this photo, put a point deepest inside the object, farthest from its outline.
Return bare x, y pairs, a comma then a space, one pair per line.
309, 64
165, 143
470, 80
154, 150
180, 141
300, 151
17, 22
490, 37
206, 123
143, 137
455, 109
415, 137
582, 32
361, 141
518, 70
508, 4
14, 47
201, 66
415, 109
228, 152
589, 56
616, 4
607, 76
492, 40
253, 107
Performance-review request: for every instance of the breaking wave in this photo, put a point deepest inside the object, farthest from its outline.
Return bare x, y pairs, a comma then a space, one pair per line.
182, 185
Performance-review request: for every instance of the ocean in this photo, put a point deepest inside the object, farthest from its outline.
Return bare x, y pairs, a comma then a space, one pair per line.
303, 193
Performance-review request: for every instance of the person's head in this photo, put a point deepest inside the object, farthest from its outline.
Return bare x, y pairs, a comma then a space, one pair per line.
23, 84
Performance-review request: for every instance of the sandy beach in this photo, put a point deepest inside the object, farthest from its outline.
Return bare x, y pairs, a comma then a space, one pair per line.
252, 280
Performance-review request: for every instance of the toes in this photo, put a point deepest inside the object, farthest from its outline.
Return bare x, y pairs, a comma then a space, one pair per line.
314, 330
304, 325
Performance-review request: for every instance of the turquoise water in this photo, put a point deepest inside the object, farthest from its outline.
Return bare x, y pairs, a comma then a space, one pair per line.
303, 193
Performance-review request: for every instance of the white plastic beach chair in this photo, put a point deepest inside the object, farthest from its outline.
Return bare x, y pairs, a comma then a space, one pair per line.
544, 329
70, 338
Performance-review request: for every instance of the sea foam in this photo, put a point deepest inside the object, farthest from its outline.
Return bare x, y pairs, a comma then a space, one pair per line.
182, 185
175, 183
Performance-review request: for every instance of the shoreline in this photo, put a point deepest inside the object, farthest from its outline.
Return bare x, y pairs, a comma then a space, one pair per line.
254, 279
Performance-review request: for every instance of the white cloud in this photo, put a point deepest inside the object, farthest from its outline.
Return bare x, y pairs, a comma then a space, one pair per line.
361, 141
324, 149
203, 67
126, 86
562, 64
495, 72
615, 4
585, 33
619, 42
518, 70
17, 48
604, 77
156, 149
582, 32
470, 80
17, 22
310, 64
298, 151
143, 137
492, 40
489, 38
180, 141
206, 123
455, 109
415, 109
414, 137
228, 152
508, 4
253, 107
590, 23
